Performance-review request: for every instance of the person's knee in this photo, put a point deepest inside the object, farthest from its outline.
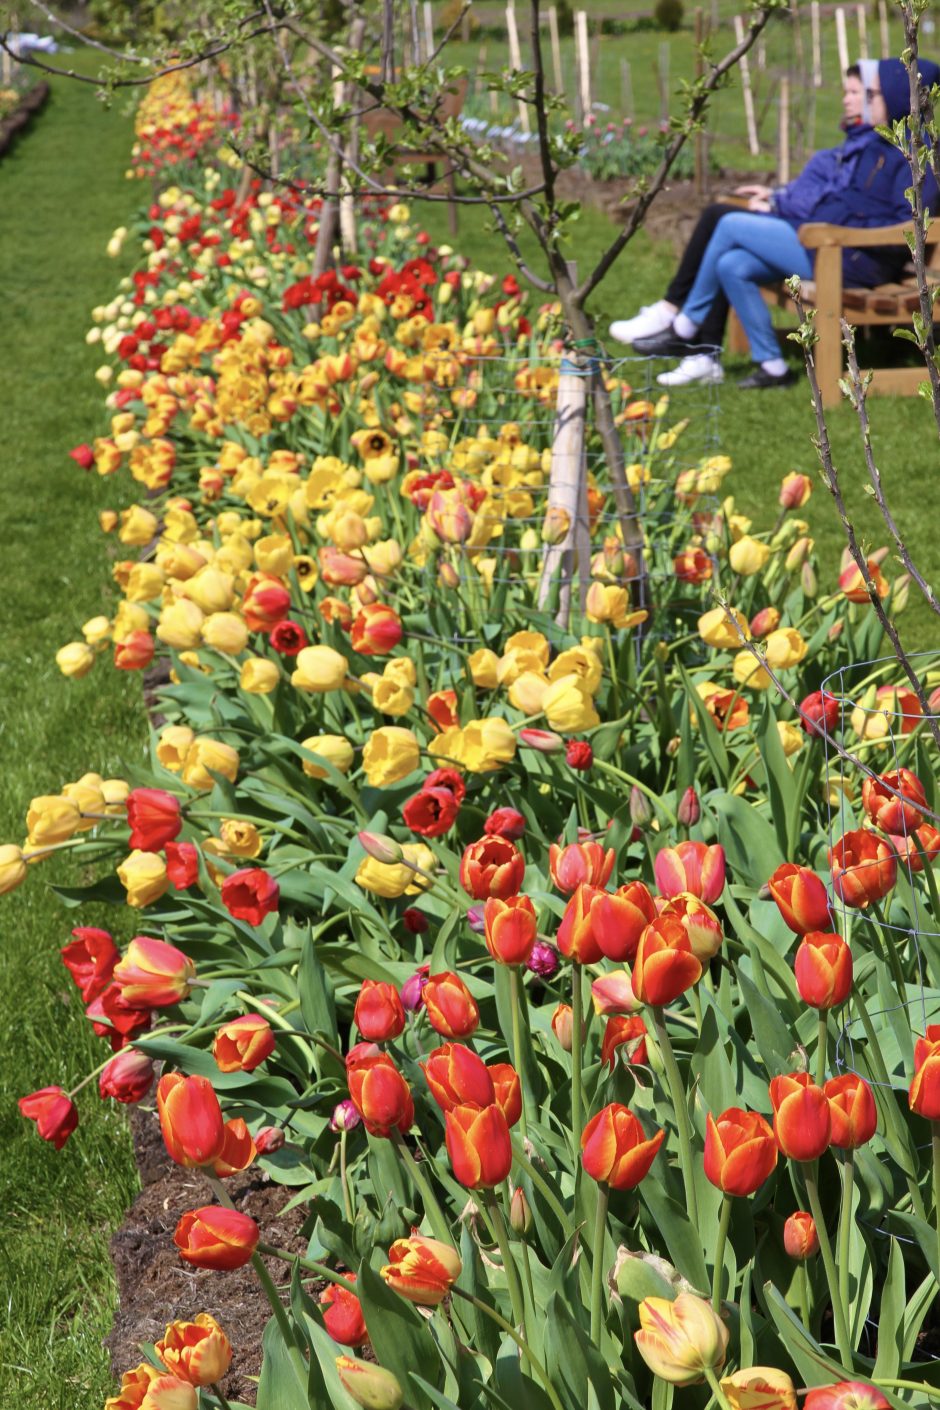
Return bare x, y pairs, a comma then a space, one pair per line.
728, 269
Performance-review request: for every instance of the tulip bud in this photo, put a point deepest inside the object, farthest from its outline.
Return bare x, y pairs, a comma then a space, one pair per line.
759, 1388
269, 1139
679, 1340
640, 811
345, 1116
800, 1238
764, 622
543, 960
520, 1212
370, 1386
544, 740
413, 989
808, 580
689, 810
555, 525
562, 1026
381, 848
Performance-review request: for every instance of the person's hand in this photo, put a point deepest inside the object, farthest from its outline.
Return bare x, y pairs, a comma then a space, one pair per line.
760, 193
758, 203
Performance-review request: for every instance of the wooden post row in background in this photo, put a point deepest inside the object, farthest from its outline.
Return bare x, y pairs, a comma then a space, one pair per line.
515, 59
817, 43
842, 40
752, 142
583, 60
556, 49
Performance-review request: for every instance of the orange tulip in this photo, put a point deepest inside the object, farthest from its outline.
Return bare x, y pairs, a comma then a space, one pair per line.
507, 1090
740, 1151
457, 1076
800, 1236
802, 1119
509, 928
852, 1110
888, 811
381, 1095
576, 939
823, 969
379, 1014
924, 1095
238, 1149
801, 898
580, 863
153, 974
197, 1351
214, 1237
451, 1009
864, 867
478, 1144
190, 1119
618, 920
628, 1033
421, 1269
243, 1044
492, 866
665, 964
615, 1150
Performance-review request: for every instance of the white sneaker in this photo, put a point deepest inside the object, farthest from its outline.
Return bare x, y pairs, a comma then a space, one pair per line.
698, 368
651, 319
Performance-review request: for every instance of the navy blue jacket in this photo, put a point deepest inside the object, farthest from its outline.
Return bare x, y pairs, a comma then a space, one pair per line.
862, 183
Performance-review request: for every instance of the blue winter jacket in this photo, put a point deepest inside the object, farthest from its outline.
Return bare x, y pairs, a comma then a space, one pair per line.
862, 183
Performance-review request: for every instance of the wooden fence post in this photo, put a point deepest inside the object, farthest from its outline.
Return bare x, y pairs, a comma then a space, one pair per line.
515, 60
626, 90
817, 43
752, 142
583, 63
567, 490
662, 79
883, 29
842, 41
556, 49
428, 29
783, 129
862, 22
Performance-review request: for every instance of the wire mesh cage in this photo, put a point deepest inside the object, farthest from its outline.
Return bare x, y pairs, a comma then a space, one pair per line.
884, 838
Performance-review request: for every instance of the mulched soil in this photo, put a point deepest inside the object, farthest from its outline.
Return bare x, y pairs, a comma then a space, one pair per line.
155, 1286
20, 116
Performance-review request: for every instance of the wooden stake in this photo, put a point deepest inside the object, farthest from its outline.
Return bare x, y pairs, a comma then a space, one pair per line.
752, 142
842, 41
626, 90
662, 80
556, 50
428, 30
883, 29
515, 60
862, 23
567, 489
481, 70
783, 129
817, 43
583, 60
699, 138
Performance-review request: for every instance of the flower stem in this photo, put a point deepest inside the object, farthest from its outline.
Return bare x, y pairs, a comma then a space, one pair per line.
280, 1313
716, 1389
223, 1402
518, 999
935, 1141
576, 1044
597, 1253
510, 1331
825, 1247
677, 1093
509, 1263
344, 1177
320, 1269
723, 1224
431, 1207
845, 1225
822, 1045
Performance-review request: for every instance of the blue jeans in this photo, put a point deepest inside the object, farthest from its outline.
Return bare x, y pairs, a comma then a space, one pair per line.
748, 250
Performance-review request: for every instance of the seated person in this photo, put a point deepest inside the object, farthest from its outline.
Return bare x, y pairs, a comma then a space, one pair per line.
732, 252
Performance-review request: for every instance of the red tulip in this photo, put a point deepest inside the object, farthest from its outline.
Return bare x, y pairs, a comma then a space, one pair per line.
478, 1144
90, 959
376, 630
864, 867
510, 928
458, 1077
238, 1149
492, 866
430, 813
800, 1236
505, 822
135, 651
888, 811
250, 894
342, 1314
127, 1077
926, 840
615, 1150
619, 920
852, 1110
381, 1095
214, 1237
823, 969
801, 898
54, 1113
266, 602
802, 1120
190, 1119
924, 1095
629, 1033
691, 866
451, 1009
820, 713
182, 864
243, 1044
580, 863
846, 1395
116, 1020
576, 939
379, 1013
153, 974
740, 1151
665, 964
154, 818
507, 1090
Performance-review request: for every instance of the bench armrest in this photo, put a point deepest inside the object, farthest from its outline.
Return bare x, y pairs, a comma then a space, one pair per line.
815, 235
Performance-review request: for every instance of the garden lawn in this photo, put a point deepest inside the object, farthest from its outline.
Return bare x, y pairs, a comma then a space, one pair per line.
62, 192
766, 433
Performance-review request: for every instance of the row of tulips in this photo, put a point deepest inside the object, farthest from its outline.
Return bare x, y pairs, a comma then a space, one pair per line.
532, 943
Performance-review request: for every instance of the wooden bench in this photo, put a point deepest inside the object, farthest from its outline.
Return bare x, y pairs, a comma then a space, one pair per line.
383, 122
888, 305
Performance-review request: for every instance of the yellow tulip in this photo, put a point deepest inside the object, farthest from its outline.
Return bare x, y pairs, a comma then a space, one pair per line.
391, 754
569, 706
319, 669
759, 1388
748, 556
679, 1340
204, 755
173, 746
259, 676
715, 629
226, 632
482, 666
143, 876
334, 748
394, 879
51, 819
784, 648
749, 672
76, 659
180, 625
791, 737
12, 867
211, 590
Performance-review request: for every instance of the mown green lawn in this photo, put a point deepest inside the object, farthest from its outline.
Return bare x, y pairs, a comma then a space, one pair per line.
62, 192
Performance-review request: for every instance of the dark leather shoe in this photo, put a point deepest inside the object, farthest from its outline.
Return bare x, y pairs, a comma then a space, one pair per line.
667, 344
760, 378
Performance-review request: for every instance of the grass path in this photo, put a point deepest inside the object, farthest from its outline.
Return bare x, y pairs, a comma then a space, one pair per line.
62, 192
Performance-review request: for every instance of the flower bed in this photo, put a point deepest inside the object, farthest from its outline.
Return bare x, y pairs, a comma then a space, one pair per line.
520, 952
17, 107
